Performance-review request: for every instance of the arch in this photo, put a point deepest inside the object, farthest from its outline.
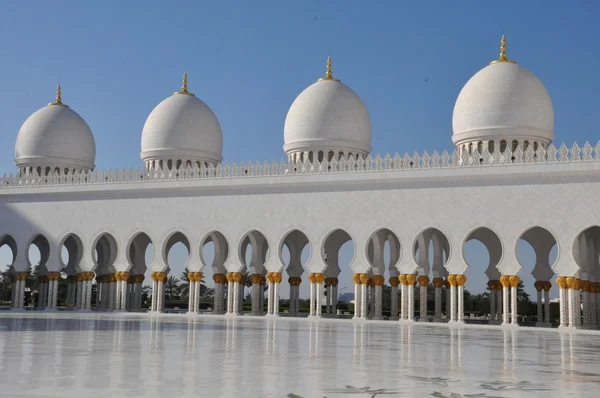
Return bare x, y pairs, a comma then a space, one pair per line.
172, 239
42, 245
104, 252
489, 241
330, 250
220, 250
586, 252
72, 242
296, 243
12, 245
259, 246
136, 253
431, 251
376, 248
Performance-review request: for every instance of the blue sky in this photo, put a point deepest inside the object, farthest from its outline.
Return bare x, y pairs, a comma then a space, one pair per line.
248, 60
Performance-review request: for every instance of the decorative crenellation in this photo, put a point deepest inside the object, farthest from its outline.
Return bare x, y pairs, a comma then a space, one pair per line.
289, 169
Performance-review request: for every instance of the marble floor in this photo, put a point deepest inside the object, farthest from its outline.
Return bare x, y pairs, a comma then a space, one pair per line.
127, 355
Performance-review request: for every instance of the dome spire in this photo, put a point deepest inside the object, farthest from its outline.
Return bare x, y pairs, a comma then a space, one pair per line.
328, 75
184, 89
502, 53
58, 100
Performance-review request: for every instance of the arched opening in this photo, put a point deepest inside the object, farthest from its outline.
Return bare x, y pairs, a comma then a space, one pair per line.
214, 251
71, 253
482, 251
140, 253
253, 253
338, 252
104, 254
502, 146
537, 252
176, 255
586, 252
430, 251
294, 252
383, 253
8, 255
38, 253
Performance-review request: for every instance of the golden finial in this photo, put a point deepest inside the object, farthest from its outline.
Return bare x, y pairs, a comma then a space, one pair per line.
58, 100
184, 89
328, 75
502, 53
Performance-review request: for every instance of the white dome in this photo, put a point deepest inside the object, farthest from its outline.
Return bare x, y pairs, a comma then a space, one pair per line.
182, 127
503, 101
55, 136
328, 115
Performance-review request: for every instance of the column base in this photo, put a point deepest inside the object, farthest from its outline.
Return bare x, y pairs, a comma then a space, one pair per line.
438, 320
377, 318
21, 309
393, 318
406, 320
192, 313
425, 320
510, 325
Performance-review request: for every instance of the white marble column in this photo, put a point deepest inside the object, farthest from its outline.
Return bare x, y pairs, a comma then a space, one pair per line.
586, 304
540, 316
334, 298
155, 293
547, 304
319, 294
230, 299
313, 299
111, 295
403, 298
423, 282
16, 293
461, 303
276, 284
513, 306
394, 299
499, 301
411, 301
364, 302
80, 296
438, 304
219, 297
261, 297
505, 280
235, 298
453, 303
357, 291
69, 293
448, 300
160, 302
88, 293
240, 303
492, 305
593, 303
378, 302
270, 299
357, 294
192, 296
577, 303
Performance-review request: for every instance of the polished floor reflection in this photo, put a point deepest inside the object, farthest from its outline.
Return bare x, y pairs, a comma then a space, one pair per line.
138, 355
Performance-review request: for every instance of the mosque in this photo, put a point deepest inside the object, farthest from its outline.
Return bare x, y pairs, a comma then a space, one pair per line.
505, 181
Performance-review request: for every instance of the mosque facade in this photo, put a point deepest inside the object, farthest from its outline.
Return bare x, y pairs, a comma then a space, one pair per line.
506, 180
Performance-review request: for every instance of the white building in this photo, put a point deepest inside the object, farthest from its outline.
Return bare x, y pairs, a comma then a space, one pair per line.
505, 181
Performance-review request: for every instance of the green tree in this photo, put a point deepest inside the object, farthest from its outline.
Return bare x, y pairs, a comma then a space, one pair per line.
172, 286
